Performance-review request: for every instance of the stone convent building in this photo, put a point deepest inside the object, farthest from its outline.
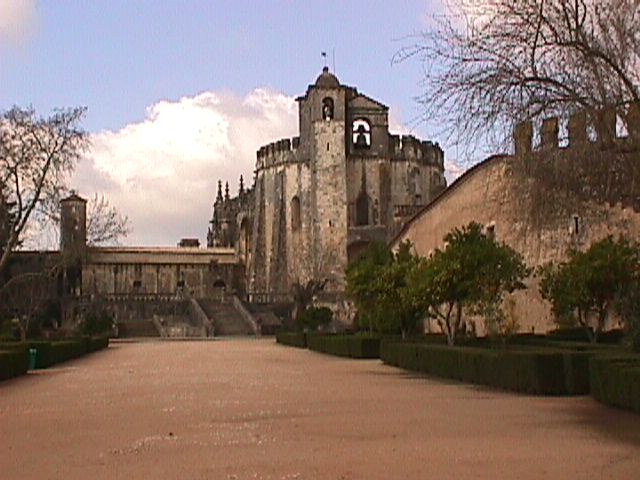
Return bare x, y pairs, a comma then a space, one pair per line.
317, 200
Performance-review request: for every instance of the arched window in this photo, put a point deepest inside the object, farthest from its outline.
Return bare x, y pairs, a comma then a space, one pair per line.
361, 133
327, 108
296, 221
362, 209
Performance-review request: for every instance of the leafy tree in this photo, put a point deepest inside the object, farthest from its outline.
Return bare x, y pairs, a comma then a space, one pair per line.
362, 286
627, 305
395, 300
36, 156
98, 320
490, 64
473, 272
586, 289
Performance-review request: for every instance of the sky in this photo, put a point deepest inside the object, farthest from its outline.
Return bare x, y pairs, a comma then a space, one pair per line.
180, 94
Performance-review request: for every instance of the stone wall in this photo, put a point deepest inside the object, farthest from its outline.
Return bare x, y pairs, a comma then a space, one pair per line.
541, 202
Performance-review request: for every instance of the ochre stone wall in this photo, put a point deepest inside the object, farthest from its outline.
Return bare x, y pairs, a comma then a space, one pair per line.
541, 202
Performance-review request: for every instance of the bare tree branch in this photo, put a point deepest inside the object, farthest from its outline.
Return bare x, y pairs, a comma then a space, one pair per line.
491, 64
105, 225
37, 154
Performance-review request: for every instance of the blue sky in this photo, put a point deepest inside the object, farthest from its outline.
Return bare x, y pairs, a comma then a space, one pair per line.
161, 76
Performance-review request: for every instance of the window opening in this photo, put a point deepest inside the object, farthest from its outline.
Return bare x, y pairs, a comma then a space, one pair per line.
361, 133
296, 220
327, 109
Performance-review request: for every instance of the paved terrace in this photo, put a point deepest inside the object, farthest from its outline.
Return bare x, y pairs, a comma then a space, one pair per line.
250, 409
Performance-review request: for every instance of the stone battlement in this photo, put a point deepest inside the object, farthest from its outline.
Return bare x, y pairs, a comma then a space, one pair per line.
408, 147
277, 152
579, 126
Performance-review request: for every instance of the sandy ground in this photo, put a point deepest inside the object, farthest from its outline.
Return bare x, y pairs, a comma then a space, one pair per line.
251, 409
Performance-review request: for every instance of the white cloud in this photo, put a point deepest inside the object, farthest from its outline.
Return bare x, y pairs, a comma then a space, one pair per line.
163, 171
17, 19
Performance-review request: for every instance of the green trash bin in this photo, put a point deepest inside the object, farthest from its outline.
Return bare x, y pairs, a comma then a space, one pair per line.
32, 358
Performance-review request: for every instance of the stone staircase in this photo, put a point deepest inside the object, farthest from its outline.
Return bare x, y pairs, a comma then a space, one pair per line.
226, 319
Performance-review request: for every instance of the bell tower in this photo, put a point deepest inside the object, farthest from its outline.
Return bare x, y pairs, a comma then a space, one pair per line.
323, 129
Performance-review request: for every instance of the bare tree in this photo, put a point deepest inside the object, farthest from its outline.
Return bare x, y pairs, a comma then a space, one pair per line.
490, 64
36, 156
105, 225
24, 296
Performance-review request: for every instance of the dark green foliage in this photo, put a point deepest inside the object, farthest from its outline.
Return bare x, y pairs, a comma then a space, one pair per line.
292, 339
314, 317
364, 347
49, 353
363, 288
96, 343
615, 380
353, 346
471, 274
13, 362
527, 370
590, 285
98, 321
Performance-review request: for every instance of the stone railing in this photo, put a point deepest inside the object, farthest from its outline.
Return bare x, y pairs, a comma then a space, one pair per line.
245, 314
200, 318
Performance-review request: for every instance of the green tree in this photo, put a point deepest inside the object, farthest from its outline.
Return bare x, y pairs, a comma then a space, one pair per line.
395, 298
361, 284
472, 273
586, 289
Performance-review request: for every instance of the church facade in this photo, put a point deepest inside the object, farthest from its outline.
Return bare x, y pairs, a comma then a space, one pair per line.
319, 199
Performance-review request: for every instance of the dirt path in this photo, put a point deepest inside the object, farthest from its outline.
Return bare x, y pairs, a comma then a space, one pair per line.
247, 409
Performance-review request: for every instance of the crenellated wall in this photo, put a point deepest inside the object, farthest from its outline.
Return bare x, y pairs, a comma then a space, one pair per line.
543, 201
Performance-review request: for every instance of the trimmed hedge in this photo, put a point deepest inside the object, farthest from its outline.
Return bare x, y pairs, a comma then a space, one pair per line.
351, 346
292, 339
615, 380
49, 353
534, 371
13, 363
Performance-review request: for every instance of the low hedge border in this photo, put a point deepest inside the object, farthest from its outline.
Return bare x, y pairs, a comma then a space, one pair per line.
48, 353
350, 346
527, 370
292, 339
615, 380
13, 363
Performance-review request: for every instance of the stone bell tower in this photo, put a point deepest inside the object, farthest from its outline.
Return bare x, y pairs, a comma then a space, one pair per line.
323, 120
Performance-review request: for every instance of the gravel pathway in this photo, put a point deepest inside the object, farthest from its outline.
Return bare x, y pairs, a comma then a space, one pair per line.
251, 409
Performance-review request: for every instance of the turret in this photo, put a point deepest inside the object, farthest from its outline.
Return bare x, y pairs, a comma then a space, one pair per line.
73, 224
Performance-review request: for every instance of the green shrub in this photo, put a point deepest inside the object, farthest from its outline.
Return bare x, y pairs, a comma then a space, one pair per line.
292, 339
615, 380
13, 362
98, 321
314, 317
